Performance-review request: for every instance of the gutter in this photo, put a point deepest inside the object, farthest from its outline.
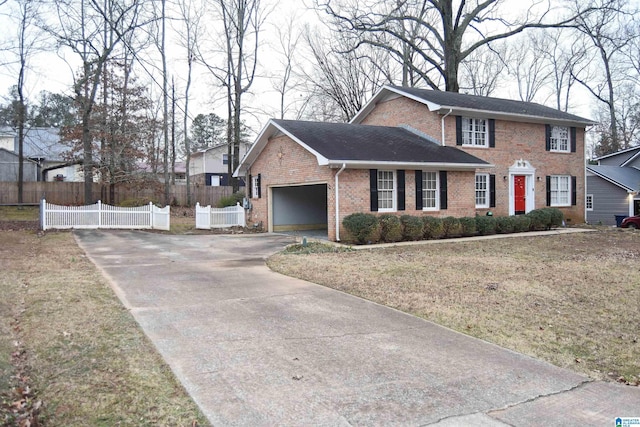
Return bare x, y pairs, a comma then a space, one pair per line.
442, 125
337, 190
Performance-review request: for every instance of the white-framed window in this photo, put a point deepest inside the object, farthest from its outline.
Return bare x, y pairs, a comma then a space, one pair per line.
482, 190
560, 190
475, 132
255, 187
588, 202
430, 189
560, 139
225, 159
386, 191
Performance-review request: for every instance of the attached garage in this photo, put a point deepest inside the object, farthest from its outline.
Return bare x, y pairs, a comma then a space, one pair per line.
300, 207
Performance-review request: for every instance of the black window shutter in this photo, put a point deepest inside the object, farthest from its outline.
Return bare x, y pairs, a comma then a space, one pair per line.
574, 193
259, 185
492, 133
250, 185
443, 190
548, 190
492, 191
373, 189
458, 130
573, 139
419, 191
547, 134
401, 195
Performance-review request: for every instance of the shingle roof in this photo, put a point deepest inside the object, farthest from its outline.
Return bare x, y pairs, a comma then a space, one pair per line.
474, 102
487, 106
351, 142
625, 177
40, 143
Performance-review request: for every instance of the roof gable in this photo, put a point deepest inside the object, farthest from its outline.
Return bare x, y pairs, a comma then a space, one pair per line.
626, 178
473, 105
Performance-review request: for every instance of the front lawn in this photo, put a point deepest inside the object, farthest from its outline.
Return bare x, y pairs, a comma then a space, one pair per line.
571, 299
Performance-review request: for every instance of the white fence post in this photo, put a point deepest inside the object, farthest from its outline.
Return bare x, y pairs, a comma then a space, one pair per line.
151, 215
99, 214
43, 214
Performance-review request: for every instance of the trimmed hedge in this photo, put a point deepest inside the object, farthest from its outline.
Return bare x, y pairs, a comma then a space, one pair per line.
486, 225
370, 228
411, 227
432, 227
362, 227
390, 228
452, 226
468, 226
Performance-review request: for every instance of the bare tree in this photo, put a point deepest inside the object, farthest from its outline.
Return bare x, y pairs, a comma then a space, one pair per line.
482, 71
285, 81
606, 28
347, 79
441, 37
92, 29
241, 21
529, 66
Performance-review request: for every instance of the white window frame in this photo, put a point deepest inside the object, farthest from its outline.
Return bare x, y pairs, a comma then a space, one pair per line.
486, 193
558, 189
254, 186
225, 159
475, 132
588, 202
435, 191
383, 176
560, 139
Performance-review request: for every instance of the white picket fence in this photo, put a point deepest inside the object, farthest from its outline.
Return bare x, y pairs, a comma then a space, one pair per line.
101, 215
208, 217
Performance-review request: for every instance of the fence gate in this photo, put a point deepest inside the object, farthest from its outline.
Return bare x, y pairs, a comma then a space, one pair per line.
208, 217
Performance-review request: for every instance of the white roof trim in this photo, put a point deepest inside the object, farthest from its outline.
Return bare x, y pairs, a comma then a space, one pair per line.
616, 183
369, 164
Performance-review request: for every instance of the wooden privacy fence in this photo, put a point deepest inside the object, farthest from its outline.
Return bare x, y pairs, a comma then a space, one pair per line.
101, 215
208, 217
72, 193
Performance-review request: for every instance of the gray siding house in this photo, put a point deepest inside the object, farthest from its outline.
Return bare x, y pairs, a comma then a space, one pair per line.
9, 167
613, 187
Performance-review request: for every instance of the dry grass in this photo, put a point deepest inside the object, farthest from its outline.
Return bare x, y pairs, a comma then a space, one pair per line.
81, 351
572, 299
19, 213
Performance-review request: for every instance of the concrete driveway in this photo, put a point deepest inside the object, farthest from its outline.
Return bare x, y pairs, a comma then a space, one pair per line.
253, 347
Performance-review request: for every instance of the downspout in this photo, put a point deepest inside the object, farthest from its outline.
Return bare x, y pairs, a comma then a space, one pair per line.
344, 165
442, 124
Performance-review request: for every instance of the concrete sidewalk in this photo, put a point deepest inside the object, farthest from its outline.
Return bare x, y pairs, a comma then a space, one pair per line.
253, 347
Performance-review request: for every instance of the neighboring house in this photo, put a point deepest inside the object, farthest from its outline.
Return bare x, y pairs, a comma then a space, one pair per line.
419, 152
41, 146
180, 171
9, 168
210, 166
613, 187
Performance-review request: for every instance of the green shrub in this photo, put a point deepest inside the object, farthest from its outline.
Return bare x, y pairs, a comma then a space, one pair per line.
230, 200
362, 227
557, 217
411, 227
390, 228
540, 219
468, 226
486, 225
521, 223
432, 227
505, 224
135, 202
452, 226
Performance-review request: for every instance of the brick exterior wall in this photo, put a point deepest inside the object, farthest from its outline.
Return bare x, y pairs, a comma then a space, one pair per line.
514, 141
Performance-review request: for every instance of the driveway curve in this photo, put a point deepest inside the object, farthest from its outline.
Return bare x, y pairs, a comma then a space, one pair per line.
253, 347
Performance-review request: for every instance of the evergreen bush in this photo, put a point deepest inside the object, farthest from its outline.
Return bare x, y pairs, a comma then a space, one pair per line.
452, 226
505, 224
486, 225
432, 227
362, 227
411, 227
468, 226
231, 200
390, 228
521, 223
540, 219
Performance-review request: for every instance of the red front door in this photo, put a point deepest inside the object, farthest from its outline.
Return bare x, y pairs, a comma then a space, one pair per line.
519, 194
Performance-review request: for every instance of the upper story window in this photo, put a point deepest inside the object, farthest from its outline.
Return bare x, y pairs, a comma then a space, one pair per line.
475, 132
430, 190
386, 191
559, 139
225, 159
255, 187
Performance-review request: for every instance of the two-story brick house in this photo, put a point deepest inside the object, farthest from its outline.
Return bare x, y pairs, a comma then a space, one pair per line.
419, 152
